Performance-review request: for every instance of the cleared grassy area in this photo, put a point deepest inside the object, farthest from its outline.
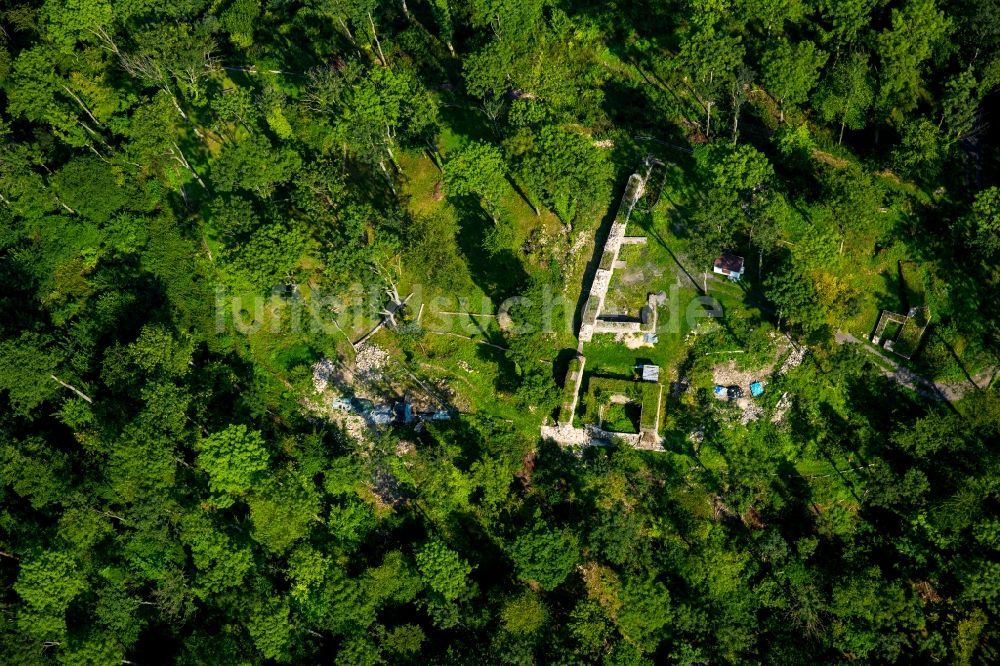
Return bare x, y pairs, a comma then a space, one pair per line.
622, 417
465, 353
620, 403
471, 377
645, 271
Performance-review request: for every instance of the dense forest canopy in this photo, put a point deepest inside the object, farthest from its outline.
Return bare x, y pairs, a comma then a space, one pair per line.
216, 215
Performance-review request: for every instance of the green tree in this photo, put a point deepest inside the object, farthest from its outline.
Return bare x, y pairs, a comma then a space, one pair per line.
405, 639
35, 471
283, 511
545, 556
254, 165
525, 614
854, 199
478, 169
91, 650
645, 611
921, 152
566, 171
220, 563
434, 245
959, 104
381, 108
795, 296
917, 31
396, 581
238, 19
443, 570
710, 52
791, 71
271, 628
983, 222
234, 459
27, 365
118, 611
48, 583
847, 94
38, 93
64, 23
848, 20
271, 255
738, 180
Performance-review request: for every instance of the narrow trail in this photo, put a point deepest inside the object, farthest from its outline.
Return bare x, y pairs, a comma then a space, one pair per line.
949, 391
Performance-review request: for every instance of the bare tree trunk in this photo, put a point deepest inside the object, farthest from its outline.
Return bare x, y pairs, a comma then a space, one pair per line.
334, 319
103, 36
708, 124
98, 153
390, 317
393, 293
179, 156
388, 178
843, 120
176, 104
82, 105
377, 43
435, 154
388, 149
73, 389
90, 130
204, 240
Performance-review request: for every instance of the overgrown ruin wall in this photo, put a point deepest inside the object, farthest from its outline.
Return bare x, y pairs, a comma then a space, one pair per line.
609, 258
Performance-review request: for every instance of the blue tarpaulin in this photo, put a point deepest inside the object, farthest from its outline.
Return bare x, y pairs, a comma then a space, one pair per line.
719, 389
381, 415
756, 389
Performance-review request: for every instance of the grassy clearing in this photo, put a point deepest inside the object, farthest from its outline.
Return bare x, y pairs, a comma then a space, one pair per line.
644, 272
422, 187
464, 353
622, 417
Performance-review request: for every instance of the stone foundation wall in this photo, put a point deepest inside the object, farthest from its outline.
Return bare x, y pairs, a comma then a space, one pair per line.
602, 326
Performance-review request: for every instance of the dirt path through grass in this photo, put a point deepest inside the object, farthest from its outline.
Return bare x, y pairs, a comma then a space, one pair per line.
950, 391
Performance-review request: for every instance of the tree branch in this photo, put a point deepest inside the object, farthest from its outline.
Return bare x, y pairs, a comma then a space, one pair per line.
73, 389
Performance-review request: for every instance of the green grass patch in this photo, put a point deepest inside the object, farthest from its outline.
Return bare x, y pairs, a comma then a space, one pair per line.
295, 355
650, 406
622, 417
622, 404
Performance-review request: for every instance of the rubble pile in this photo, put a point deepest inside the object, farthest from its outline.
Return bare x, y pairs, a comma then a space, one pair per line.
323, 369
369, 362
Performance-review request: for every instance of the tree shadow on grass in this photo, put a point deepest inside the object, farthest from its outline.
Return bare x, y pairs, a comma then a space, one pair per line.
933, 332
560, 366
500, 273
465, 119
797, 493
600, 237
655, 235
